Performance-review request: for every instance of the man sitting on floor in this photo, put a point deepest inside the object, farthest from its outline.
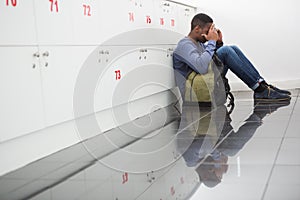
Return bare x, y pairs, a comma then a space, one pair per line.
195, 52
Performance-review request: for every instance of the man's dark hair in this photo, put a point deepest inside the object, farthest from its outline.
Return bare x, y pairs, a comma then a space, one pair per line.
201, 20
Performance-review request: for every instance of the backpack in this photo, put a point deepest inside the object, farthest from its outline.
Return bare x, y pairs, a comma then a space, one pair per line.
210, 89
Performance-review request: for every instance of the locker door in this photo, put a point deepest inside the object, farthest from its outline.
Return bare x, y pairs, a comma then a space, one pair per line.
166, 14
21, 97
17, 23
122, 16
60, 68
54, 22
143, 13
135, 74
86, 22
185, 16
116, 17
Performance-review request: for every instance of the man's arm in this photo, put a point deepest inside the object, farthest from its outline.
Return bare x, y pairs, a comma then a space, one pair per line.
196, 60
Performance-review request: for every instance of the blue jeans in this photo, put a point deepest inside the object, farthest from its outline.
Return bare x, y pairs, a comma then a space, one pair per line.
234, 59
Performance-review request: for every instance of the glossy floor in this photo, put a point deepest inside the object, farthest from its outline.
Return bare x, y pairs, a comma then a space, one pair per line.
205, 153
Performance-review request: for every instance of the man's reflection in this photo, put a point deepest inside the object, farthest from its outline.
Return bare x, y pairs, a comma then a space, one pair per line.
214, 139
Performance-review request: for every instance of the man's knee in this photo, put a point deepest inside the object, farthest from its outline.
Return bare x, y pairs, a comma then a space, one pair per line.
224, 50
234, 47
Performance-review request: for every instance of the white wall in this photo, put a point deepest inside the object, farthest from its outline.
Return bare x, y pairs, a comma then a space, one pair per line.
266, 30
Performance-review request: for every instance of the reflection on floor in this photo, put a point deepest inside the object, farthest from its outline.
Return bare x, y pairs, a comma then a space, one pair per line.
203, 154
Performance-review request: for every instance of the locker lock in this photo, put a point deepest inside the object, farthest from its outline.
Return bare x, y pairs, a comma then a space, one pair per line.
37, 55
104, 52
46, 54
150, 176
170, 52
143, 54
104, 55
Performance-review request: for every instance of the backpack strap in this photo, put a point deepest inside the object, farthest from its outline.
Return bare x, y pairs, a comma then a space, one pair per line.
229, 95
231, 102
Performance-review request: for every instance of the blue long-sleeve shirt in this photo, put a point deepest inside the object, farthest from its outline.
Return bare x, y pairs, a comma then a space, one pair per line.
189, 56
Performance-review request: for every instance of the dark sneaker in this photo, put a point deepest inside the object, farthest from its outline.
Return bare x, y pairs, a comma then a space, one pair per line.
279, 90
270, 94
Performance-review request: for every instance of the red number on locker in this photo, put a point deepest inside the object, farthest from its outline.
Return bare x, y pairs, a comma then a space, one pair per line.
182, 180
148, 19
53, 3
172, 22
86, 10
172, 191
125, 178
13, 2
131, 17
118, 74
162, 21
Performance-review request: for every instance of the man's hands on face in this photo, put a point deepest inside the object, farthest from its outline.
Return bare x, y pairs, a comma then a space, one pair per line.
220, 36
212, 34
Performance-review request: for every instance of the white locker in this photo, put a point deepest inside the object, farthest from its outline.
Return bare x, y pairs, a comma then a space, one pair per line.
125, 69
137, 73
143, 13
54, 22
86, 22
166, 15
21, 95
60, 67
125, 16
185, 16
17, 23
